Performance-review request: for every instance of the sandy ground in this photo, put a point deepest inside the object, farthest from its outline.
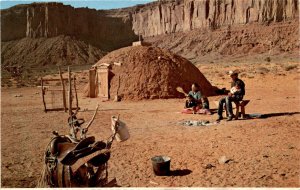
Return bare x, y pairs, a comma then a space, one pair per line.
264, 152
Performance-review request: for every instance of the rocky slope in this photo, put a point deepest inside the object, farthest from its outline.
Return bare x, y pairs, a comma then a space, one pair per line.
60, 50
237, 43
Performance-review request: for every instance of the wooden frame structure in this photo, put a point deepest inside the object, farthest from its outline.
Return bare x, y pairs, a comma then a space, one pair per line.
71, 81
99, 81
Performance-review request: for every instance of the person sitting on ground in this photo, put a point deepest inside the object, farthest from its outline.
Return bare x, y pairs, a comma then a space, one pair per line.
236, 93
194, 98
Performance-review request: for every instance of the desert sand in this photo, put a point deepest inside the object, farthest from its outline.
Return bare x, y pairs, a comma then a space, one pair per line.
262, 152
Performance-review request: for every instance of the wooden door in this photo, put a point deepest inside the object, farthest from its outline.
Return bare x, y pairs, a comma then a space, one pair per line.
92, 83
103, 83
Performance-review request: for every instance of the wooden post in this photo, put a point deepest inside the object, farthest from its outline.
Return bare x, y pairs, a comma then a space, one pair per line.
63, 89
43, 93
70, 92
237, 112
97, 84
92, 88
118, 86
75, 90
243, 111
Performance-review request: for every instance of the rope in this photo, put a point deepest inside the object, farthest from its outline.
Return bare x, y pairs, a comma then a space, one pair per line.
42, 182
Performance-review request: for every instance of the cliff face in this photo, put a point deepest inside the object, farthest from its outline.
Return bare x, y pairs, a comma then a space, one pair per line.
106, 32
119, 27
184, 15
112, 29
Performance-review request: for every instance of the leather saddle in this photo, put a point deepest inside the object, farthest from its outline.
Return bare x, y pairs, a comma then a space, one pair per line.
69, 152
66, 158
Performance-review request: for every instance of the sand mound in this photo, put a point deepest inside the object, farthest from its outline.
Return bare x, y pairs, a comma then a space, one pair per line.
60, 50
151, 73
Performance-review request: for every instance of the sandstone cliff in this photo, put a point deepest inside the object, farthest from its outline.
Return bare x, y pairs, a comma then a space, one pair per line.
185, 15
104, 31
111, 29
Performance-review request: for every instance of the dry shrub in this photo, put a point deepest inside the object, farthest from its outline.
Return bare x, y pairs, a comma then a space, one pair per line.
268, 59
243, 75
220, 74
262, 70
290, 67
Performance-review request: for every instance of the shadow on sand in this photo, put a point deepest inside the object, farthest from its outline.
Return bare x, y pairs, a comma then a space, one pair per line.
280, 114
263, 116
180, 172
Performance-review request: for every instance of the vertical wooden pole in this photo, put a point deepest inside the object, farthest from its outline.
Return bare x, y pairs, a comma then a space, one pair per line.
97, 84
237, 112
43, 94
243, 111
63, 88
92, 76
118, 87
70, 92
75, 90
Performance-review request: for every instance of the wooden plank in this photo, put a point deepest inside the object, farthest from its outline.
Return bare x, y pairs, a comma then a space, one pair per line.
70, 92
63, 89
43, 94
60, 109
119, 79
237, 111
75, 92
103, 80
244, 102
243, 112
97, 84
48, 80
54, 90
92, 86
118, 63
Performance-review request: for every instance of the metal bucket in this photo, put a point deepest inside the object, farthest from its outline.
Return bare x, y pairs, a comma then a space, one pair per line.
161, 165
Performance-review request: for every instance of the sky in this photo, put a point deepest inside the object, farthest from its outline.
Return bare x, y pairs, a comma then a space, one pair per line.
93, 4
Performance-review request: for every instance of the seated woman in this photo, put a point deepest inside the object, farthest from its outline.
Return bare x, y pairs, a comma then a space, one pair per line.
194, 101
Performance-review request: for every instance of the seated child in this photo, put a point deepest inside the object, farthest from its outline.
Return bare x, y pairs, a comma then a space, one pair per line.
236, 90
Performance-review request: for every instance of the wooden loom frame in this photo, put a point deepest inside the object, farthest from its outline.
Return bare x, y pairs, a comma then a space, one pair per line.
64, 103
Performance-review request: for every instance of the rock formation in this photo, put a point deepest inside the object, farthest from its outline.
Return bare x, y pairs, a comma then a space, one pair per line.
106, 32
176, 16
